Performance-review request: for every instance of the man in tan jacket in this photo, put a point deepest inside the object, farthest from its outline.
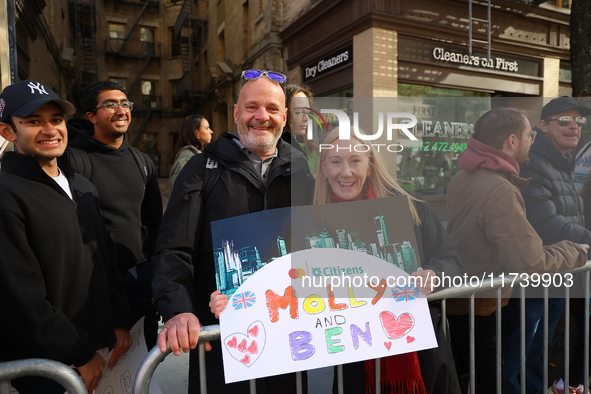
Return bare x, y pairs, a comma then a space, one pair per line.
488, 224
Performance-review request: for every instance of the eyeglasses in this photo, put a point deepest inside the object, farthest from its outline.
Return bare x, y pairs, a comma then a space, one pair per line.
565, 120
531, 135
256, 74
114, 107
302, 112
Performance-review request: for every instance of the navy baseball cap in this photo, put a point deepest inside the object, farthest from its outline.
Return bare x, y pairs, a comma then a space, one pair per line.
23, 98
563, 103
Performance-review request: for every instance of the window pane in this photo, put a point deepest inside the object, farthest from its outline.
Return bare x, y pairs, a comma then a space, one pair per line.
147, 40
120, 81
116, 31
146, 34
116, 36
149, 94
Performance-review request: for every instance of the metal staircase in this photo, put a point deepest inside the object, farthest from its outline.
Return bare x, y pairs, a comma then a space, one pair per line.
192, 46
83, 13
137, 20
471, 21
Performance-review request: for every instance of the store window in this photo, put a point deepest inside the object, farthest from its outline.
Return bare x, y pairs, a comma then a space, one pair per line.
420, 136
116, 36
446, 119
147, 39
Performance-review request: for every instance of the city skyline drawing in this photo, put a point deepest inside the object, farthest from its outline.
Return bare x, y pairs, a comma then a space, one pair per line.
381, 227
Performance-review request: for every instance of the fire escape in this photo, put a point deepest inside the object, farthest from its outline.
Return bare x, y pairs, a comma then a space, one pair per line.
472, 21
144, 52
83, 15
190, 31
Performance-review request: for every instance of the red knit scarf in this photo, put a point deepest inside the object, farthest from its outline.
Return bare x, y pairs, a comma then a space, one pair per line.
400, 374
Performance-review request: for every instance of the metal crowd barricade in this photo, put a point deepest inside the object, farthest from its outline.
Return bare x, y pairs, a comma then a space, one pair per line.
50, 369
211, 333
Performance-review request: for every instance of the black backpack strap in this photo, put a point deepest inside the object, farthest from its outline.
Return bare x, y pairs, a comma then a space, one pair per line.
80, 163
140, 160
212, 173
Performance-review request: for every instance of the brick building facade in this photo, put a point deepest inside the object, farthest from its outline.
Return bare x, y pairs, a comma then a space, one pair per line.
177, 57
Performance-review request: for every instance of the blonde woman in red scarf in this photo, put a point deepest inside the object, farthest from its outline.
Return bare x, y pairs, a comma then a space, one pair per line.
347, 175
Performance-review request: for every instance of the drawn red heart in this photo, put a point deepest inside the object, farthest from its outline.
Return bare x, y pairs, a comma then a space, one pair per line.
410, 339
388, 345
232, 342
242, 346
254, 332
396, 327
247, 348
254, 349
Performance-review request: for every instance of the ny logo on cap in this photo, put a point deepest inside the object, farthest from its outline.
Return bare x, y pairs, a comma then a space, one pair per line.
40, 88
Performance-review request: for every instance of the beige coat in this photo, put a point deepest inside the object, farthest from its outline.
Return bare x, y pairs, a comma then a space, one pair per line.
492, 235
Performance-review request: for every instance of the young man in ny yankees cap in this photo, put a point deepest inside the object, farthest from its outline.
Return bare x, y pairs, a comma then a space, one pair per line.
62, 297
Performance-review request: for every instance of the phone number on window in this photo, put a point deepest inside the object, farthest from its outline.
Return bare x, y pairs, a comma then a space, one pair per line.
441, 146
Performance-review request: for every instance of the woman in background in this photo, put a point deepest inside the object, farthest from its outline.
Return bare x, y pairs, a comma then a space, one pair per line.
194, 136
298, 102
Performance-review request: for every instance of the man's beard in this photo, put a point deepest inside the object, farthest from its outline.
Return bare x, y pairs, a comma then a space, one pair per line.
522, 155
265, 143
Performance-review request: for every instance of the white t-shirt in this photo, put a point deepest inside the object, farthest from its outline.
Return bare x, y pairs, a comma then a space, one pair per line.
63, 182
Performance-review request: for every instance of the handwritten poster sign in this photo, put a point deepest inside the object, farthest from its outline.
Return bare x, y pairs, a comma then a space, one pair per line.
120, 379
275, 324
317, 286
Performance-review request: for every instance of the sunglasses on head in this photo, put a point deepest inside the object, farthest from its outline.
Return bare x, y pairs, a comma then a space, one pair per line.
256, 74
565, 120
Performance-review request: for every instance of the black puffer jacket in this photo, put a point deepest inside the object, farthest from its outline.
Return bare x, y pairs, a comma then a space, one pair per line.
184, 274
552, 200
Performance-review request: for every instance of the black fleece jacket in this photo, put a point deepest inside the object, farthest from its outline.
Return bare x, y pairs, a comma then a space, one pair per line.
184, 274
61, 293
131, 209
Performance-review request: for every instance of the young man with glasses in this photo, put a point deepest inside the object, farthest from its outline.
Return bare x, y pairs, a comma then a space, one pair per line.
126, 180
555, 210
488, 224
239, 173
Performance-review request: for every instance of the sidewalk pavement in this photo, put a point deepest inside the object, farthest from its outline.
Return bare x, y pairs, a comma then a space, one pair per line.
172, 374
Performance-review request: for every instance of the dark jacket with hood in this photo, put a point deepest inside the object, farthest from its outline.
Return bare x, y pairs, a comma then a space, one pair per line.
488, 224
554, 205
131, 209
184, 274
61, 293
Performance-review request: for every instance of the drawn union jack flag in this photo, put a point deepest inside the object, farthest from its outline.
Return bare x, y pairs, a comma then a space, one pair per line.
243, 300
405, 293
